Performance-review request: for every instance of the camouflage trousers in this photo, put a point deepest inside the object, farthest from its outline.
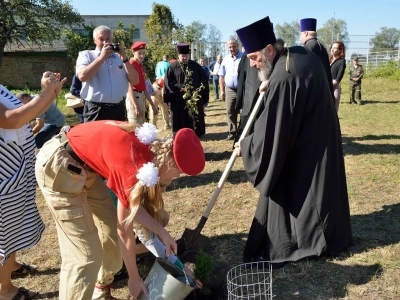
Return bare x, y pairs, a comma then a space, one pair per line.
355, 93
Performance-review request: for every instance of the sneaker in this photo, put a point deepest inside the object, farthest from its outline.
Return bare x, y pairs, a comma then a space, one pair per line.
103, 293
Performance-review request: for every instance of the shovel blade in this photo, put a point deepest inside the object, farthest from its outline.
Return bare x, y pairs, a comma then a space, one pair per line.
192, 240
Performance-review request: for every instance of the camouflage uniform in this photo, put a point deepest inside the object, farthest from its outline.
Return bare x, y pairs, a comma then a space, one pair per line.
355, 86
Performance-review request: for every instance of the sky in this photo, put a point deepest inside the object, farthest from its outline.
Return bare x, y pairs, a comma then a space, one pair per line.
363, 18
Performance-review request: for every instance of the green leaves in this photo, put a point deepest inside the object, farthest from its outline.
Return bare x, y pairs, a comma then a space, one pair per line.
35, 22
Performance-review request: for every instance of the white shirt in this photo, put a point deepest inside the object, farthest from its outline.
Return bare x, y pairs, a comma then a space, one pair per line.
110, 84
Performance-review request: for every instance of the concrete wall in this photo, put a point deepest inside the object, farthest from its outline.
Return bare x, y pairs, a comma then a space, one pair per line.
19, 70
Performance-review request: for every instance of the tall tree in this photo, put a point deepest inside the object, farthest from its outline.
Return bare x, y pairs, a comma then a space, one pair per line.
124, 37
161, 29
195, 33
386, 39
214, 37
333, 30
289, 32
34, 22
75, 42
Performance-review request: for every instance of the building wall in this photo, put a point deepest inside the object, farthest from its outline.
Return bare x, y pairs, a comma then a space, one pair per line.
20, 70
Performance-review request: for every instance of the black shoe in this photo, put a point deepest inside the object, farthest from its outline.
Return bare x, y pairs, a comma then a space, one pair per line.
230, 137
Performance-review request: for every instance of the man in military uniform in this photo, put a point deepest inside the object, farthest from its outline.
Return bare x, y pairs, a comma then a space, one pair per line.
356, 74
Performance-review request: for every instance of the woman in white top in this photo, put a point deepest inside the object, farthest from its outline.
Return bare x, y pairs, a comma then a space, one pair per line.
21, 226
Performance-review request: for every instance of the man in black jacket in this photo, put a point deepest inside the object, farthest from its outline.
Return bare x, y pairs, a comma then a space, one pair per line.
308, 36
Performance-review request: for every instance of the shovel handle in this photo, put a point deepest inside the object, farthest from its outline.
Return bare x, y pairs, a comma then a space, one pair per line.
231, 161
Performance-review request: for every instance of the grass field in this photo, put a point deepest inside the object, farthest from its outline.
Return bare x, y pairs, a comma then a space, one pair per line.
371, 267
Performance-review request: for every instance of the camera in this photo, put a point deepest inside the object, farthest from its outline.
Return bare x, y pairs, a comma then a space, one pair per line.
115, 47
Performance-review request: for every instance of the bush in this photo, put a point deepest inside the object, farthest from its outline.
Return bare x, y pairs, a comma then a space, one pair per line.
389, 70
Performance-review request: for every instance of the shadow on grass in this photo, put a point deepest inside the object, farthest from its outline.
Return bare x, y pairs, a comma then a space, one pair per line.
215, 124
71, 119
318, 278
215, 136
364, 102
217, 156
235, 177
352, 147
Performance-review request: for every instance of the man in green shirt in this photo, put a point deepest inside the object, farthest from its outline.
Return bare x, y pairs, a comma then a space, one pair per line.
356, 73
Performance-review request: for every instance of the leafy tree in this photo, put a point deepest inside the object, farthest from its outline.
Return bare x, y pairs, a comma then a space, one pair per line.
124, 37
214, 37
162, 31
75, 42
289, 32
34, 22
386, 39
333, 30
196, 33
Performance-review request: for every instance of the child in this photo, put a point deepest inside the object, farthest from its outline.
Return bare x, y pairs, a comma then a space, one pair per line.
137, 166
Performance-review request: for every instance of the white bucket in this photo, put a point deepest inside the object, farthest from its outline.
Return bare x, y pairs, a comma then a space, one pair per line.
162, 282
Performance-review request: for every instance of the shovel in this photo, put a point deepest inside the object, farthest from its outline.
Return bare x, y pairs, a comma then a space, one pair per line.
192, 238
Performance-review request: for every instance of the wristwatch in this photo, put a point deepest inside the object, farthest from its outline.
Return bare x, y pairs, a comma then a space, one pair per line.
125, 60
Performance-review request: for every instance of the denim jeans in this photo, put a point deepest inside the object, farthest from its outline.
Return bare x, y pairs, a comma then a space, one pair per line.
216, 85
45, 134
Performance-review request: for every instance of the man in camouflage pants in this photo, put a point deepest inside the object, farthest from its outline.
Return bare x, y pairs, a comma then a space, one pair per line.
356, 74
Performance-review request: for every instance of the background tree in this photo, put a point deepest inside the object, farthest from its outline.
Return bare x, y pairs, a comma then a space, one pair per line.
34, 22
195, 34
124, 37
289, 32
75, 42
161, 29
386, 39
215, 43
333, 30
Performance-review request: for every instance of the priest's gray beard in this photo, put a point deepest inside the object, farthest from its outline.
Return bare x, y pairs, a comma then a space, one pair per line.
265, 71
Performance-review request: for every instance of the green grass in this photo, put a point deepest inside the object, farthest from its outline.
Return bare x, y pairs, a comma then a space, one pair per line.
371, 267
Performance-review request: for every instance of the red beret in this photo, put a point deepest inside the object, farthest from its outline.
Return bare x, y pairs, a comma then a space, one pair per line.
138, 45
160, 82
188, 152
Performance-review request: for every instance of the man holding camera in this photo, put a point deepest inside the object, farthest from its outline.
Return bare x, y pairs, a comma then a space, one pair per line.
106, 75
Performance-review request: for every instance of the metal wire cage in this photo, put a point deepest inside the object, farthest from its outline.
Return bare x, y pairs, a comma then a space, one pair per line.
250, 281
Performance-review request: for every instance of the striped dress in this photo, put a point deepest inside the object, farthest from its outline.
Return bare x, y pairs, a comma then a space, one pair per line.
20, 223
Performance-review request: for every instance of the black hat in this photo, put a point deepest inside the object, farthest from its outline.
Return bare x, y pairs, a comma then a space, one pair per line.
308, 24
183, 48
257, 35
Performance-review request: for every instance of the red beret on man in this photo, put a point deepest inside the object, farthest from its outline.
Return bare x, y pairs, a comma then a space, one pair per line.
138, 46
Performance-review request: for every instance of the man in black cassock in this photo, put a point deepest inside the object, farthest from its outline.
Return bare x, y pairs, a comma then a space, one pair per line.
247, 92
294, 158
174, 91
308, 37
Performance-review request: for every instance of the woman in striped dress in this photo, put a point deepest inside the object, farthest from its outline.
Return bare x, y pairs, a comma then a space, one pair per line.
20, 223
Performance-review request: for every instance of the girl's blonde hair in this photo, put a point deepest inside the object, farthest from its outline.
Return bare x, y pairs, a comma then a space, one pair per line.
150, 198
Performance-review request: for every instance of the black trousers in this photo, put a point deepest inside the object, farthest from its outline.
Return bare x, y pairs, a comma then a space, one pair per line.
94, 111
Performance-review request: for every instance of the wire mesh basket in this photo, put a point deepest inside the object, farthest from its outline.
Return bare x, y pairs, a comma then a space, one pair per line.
250, 281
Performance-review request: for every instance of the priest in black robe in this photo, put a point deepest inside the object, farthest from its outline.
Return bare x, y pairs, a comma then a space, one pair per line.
294, 157
308, 37
175, 79
247, 92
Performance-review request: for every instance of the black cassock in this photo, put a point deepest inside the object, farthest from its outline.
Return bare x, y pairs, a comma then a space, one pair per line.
295, 160
174, 81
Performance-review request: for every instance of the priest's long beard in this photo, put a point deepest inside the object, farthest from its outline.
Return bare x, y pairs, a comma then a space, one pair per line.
265, 71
